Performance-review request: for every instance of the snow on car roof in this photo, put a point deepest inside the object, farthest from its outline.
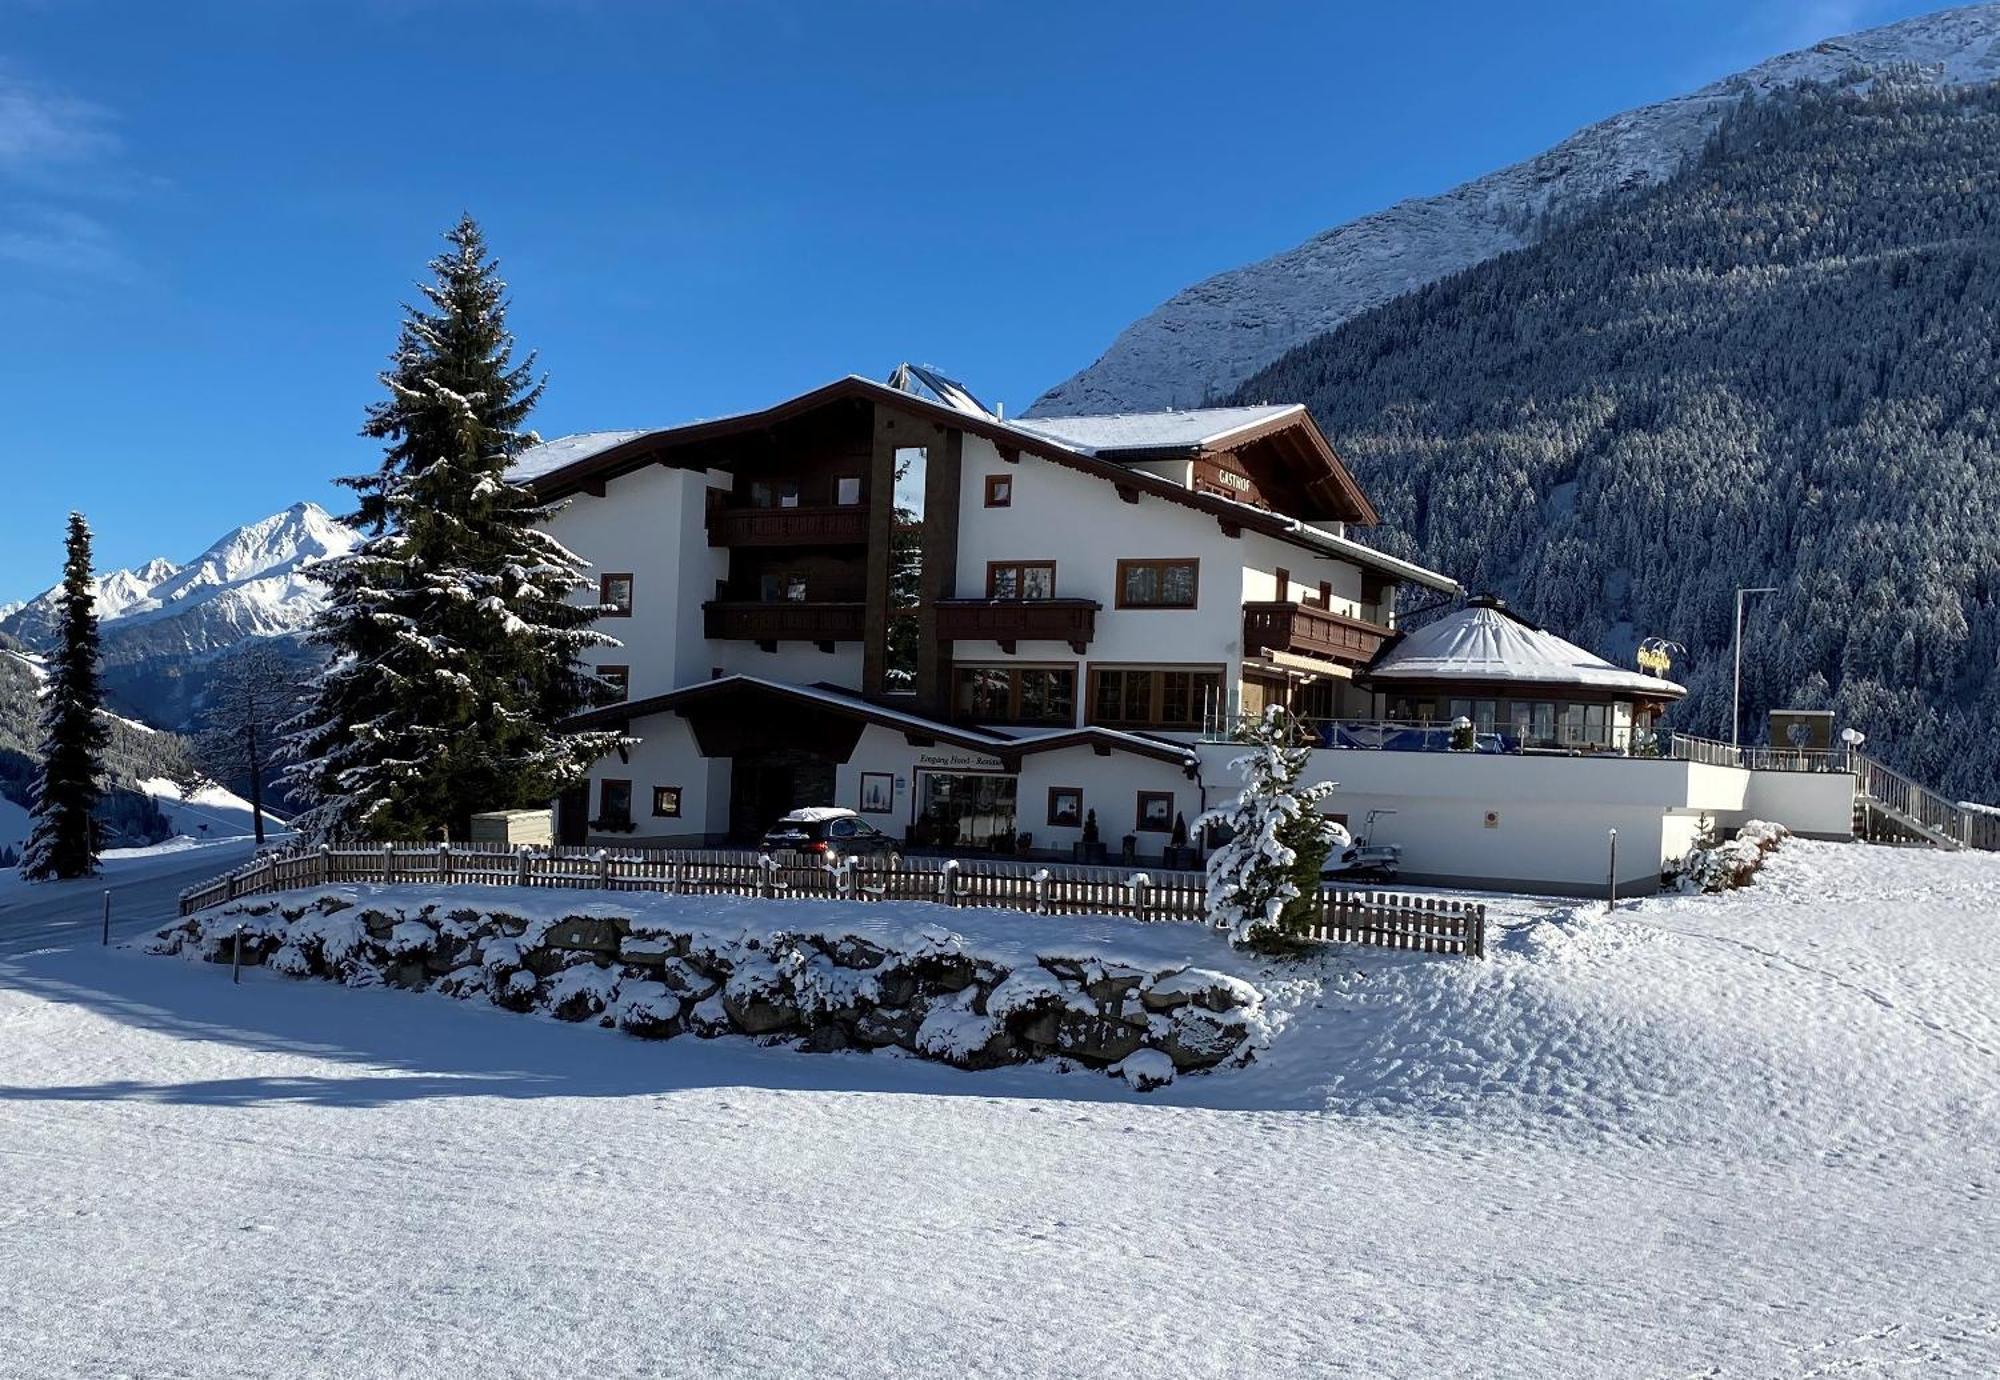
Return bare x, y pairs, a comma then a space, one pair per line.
818, 814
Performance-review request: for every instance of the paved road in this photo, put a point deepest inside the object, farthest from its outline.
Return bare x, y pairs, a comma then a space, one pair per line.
144, 892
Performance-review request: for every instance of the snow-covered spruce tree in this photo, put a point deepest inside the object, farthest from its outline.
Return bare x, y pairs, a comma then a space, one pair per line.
63, 840
1265, 876
454, 646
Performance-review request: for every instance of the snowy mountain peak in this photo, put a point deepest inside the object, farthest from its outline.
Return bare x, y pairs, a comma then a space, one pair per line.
252, 582
1209, 338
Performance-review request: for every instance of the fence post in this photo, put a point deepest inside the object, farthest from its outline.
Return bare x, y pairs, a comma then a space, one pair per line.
603, 869
326, 864
1042, 892
444, 862
388, 864
1613, 885
1476, 928
521, 865
948, 882
236, 955
1140, 881
107, 917
767, 876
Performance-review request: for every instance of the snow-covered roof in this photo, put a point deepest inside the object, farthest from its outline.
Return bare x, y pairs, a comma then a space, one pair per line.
1482, 642
1116, 431
549, 456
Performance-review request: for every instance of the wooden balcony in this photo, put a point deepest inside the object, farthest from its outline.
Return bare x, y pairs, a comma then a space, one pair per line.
845, 525
1301, 630
1008, 621
769, 624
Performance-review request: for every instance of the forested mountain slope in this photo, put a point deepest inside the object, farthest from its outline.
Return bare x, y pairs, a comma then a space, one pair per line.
1778, 367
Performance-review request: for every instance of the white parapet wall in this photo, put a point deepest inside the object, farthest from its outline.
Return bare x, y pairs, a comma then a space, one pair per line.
1542, 823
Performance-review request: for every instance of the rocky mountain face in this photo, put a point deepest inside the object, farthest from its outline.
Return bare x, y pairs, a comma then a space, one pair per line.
163, 623
1206, 341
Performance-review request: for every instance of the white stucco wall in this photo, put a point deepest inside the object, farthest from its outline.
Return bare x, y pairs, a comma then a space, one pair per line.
1816, 804
650, 523
666, 756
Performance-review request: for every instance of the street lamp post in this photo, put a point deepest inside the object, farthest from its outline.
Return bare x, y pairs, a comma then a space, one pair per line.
1736, 690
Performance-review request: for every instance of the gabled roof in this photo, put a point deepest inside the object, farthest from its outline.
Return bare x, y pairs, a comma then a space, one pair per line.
1202, 428
586, 460
1013, 743
1483, 642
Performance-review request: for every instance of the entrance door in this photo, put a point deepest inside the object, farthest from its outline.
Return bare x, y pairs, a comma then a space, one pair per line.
967, 809
573, 816
765, 786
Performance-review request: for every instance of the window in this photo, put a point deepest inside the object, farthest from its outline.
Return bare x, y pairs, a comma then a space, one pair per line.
666, 802
619, 678
774, 493
878, 793
999, 490
847, 490
1157, 584
1153, 696
614, 804
1065, 807
1020, 579
781, 588
614, 594
1017, 694
1156, 812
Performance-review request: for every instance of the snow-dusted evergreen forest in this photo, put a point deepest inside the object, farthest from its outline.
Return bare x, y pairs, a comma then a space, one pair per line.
1777, 368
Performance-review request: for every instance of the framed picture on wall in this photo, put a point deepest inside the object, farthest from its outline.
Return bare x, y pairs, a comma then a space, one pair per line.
878, 793
1065, 807
1156, 812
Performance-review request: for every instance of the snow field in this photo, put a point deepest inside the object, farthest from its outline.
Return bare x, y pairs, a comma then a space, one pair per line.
1750, 1135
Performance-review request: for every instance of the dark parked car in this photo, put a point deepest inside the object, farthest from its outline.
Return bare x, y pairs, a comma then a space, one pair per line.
828, 832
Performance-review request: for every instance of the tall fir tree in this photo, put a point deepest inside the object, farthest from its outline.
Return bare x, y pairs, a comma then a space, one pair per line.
62, 843
453, 639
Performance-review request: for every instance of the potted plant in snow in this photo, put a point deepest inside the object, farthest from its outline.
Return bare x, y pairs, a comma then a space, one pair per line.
1091, 850
1180, 856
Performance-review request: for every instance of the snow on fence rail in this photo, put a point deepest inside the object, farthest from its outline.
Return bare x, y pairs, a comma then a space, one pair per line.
1421, 924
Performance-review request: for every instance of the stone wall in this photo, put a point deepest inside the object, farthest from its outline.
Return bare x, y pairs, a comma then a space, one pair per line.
821, 990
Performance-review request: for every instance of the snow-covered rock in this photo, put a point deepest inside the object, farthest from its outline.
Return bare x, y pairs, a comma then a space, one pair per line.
1211, 337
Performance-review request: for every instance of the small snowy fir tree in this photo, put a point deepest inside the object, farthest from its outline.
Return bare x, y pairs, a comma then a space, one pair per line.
63, 841
453, 641
1266, 874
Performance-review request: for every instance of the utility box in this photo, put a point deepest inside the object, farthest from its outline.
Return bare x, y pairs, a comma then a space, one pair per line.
1802, 730
514, 827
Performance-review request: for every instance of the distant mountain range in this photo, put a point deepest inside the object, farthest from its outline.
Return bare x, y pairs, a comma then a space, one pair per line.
163, 623
1207, 340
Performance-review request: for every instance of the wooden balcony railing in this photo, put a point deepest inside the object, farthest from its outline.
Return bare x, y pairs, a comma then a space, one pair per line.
845, 525
1008, 621
1302, 630
748, 621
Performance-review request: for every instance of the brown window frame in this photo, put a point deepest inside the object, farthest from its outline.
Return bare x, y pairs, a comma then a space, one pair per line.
1128, 564
1014, 672
1156, 692
623, 679
1139, 824
1055, 823
604, 784
994, 483
1020, 569
607, 609
674, 813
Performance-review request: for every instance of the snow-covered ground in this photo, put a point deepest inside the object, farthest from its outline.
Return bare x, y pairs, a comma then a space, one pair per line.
211, 813
1742, 1136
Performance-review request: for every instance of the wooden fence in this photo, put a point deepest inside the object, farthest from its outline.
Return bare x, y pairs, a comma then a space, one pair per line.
1420, 924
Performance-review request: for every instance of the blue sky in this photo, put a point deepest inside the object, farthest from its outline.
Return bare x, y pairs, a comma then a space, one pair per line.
210, 211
